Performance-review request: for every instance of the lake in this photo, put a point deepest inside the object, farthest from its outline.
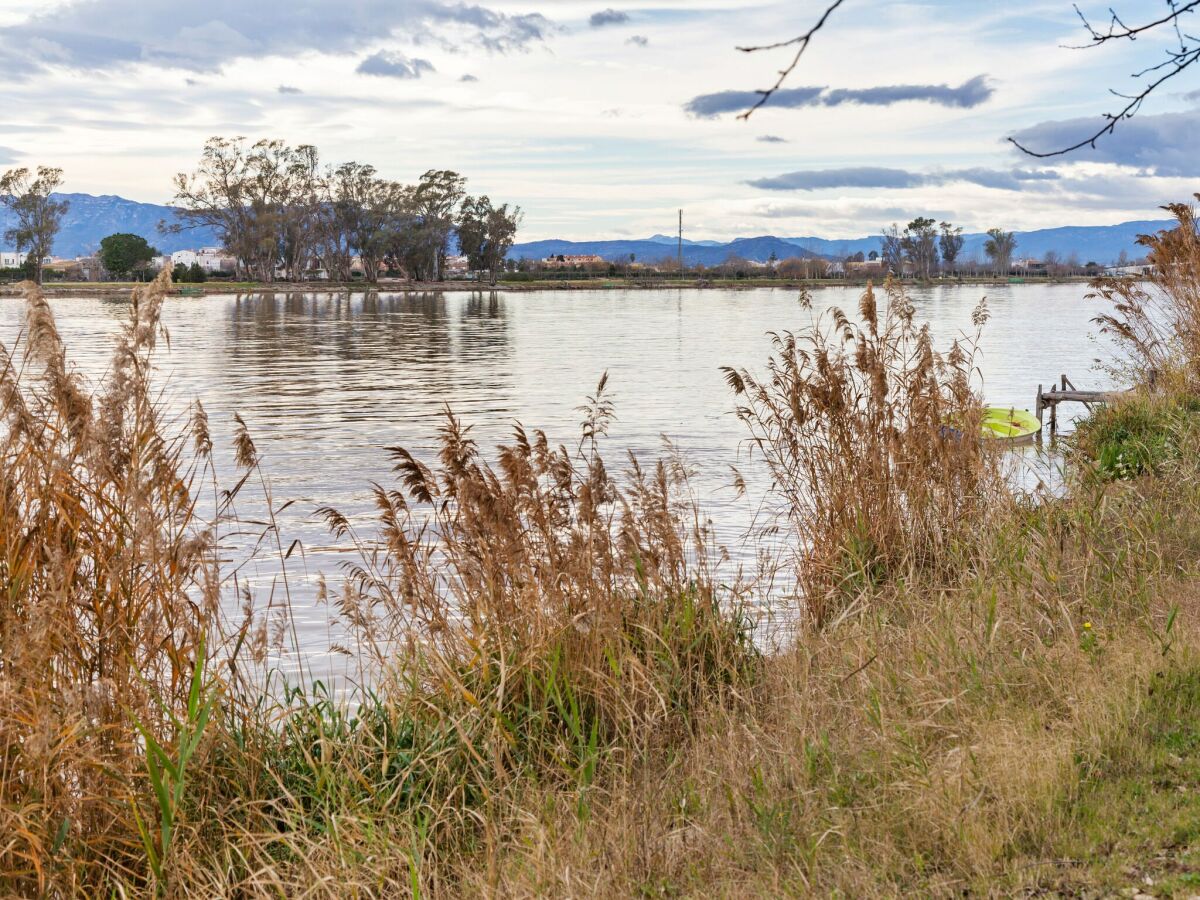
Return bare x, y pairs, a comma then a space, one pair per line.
326, 382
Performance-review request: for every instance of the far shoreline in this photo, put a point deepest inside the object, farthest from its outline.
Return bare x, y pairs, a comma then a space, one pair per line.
121, 289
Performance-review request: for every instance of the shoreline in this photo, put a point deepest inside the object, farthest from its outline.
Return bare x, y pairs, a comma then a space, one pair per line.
121, 289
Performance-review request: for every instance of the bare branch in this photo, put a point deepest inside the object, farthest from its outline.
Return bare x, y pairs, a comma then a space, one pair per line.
1176, 62
801, 43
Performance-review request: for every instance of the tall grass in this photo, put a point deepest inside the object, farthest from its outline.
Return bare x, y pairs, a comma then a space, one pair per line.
1155, 319
107, 581
869, 435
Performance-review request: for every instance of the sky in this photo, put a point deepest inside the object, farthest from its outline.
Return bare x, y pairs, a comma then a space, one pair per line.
602, 119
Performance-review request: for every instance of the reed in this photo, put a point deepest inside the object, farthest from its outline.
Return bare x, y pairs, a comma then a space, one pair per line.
869, 435
101, 557
1155, 319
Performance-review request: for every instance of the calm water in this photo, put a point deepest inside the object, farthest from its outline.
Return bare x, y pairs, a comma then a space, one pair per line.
325, 382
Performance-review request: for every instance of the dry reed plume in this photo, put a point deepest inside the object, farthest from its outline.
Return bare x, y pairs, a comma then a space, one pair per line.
1155, 319
100, 558
869, 436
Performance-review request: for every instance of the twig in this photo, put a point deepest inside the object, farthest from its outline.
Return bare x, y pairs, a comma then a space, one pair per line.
1177, 61
803, 42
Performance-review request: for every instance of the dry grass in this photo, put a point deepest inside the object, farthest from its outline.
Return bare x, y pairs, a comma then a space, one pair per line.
563, 699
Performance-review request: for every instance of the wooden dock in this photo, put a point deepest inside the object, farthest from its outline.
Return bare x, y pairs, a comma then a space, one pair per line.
1068, 393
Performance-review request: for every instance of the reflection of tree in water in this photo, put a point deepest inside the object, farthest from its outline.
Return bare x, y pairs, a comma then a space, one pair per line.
427, 346
484, 331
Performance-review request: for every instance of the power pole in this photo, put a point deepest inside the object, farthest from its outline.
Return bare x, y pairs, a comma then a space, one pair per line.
681, 245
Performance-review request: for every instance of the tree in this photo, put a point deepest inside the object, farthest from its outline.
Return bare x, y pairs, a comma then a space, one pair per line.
999, 247
473, 218
179, 274
260, 200
122, 253
435, 199
950, 243
196, 274
892, 250
29, 196
919, 245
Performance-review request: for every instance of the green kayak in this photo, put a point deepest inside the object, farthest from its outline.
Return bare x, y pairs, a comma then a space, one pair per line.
1016, 425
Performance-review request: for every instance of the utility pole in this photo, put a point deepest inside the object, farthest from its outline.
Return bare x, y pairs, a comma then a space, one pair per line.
681, 245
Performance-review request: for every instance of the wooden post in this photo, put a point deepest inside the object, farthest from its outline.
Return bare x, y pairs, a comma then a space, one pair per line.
1039, 406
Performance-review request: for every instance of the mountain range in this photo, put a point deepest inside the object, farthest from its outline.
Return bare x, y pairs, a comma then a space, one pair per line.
1091, 243
90, 218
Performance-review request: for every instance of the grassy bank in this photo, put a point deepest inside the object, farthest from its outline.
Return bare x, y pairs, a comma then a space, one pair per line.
987, 693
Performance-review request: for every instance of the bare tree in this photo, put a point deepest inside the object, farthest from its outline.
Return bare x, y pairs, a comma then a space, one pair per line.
29, 196
892, 250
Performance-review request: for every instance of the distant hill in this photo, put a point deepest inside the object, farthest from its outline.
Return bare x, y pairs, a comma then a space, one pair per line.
91, 219
1091, 243
707, 254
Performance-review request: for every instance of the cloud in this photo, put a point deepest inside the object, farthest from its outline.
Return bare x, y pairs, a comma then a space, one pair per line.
205, 35
469, 78
1163, 144
608, 17
8, 156
639, 40
771, 139
898, 179
394, 65
289, 89
967, 95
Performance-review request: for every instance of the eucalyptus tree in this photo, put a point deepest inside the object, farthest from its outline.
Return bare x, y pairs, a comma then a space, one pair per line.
999, 248
259, 199
919, 244
29, 195
950, 242
435, 199
486, 233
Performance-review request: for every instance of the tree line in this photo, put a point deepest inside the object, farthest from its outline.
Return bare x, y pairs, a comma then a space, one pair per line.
926, 247
282, 214
277, 210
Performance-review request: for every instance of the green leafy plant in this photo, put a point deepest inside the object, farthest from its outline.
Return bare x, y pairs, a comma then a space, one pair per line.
167, 767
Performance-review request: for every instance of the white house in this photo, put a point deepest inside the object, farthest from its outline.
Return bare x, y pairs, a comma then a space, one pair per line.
210, 259
11, 259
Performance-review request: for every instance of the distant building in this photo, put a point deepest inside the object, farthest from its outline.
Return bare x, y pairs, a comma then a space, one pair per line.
11, 259
212, 260
866, 267
457, 267
572, 262
1136, 270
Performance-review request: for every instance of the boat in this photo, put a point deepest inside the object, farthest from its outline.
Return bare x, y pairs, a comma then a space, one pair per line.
1009, 424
